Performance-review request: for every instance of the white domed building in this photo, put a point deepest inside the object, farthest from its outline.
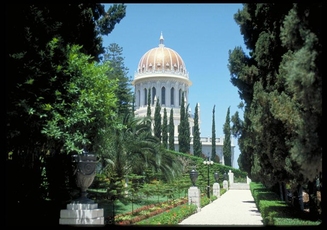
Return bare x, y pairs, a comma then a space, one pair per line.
163, 71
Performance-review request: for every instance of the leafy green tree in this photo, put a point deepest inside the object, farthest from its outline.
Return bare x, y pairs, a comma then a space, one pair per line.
32, 82
227, 150
157, 120
213, 137
40, 72
171, 130
165, 129
79, 124
197, 146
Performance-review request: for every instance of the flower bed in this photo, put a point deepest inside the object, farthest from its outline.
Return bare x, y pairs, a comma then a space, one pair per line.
171, 216
147, 212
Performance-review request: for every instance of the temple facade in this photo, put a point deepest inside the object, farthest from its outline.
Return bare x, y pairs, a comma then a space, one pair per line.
163, 71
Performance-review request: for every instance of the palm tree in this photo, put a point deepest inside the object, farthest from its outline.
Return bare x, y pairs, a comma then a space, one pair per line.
134, 150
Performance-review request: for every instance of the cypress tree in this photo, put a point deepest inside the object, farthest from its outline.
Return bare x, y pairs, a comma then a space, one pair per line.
133, 105
227, 141
197, 146
165, 129
157, 120
281, 85
148, 111
187, 130
182, 128
171, 130
213, 137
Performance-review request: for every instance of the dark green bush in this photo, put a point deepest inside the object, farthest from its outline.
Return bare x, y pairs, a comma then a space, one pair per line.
276, 212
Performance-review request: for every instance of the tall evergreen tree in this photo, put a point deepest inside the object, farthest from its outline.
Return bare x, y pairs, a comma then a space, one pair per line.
171, 130
213, 136
113, 54
148, 109
197, 146
133, 105
227, 149
157, 120
236, 131
187, 129
281, 84
165, 129
182, 128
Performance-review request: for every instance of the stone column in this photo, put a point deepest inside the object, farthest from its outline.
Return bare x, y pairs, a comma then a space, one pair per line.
194, 197
216, 189
231, 177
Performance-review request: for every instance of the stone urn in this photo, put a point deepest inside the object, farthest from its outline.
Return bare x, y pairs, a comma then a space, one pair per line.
194, 176
216, 176
85, 169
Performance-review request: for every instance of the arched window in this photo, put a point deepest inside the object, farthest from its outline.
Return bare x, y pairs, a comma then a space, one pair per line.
145, 96
153, 94
172, 96
163, 95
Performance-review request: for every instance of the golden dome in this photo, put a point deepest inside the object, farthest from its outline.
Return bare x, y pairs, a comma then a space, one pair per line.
161, 60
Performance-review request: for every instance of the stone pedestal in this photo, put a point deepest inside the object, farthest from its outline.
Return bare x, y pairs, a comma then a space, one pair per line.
216, 189
225, 184
81, 214
194, 196
231, 177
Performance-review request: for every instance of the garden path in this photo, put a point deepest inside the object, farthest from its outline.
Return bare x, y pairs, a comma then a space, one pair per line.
233, 208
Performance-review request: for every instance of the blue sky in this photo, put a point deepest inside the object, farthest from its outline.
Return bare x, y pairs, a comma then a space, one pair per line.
202, 34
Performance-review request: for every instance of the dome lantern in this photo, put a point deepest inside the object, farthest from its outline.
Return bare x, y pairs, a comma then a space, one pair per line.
161, 41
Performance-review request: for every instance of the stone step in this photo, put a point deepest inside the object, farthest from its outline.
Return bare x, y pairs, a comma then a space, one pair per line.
239, 186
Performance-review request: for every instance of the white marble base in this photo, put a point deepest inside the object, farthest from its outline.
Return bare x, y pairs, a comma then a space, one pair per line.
86, 214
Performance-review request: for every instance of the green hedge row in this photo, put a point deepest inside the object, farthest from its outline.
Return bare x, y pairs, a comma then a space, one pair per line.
276, 212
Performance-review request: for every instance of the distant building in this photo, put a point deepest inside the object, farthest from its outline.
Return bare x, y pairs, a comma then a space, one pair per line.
163, 71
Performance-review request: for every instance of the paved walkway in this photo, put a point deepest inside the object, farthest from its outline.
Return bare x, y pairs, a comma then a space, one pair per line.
233, 208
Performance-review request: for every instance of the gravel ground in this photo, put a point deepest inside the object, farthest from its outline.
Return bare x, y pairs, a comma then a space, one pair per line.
233, 208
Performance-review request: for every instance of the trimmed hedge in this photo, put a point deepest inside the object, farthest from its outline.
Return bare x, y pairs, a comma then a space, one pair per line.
276, 212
